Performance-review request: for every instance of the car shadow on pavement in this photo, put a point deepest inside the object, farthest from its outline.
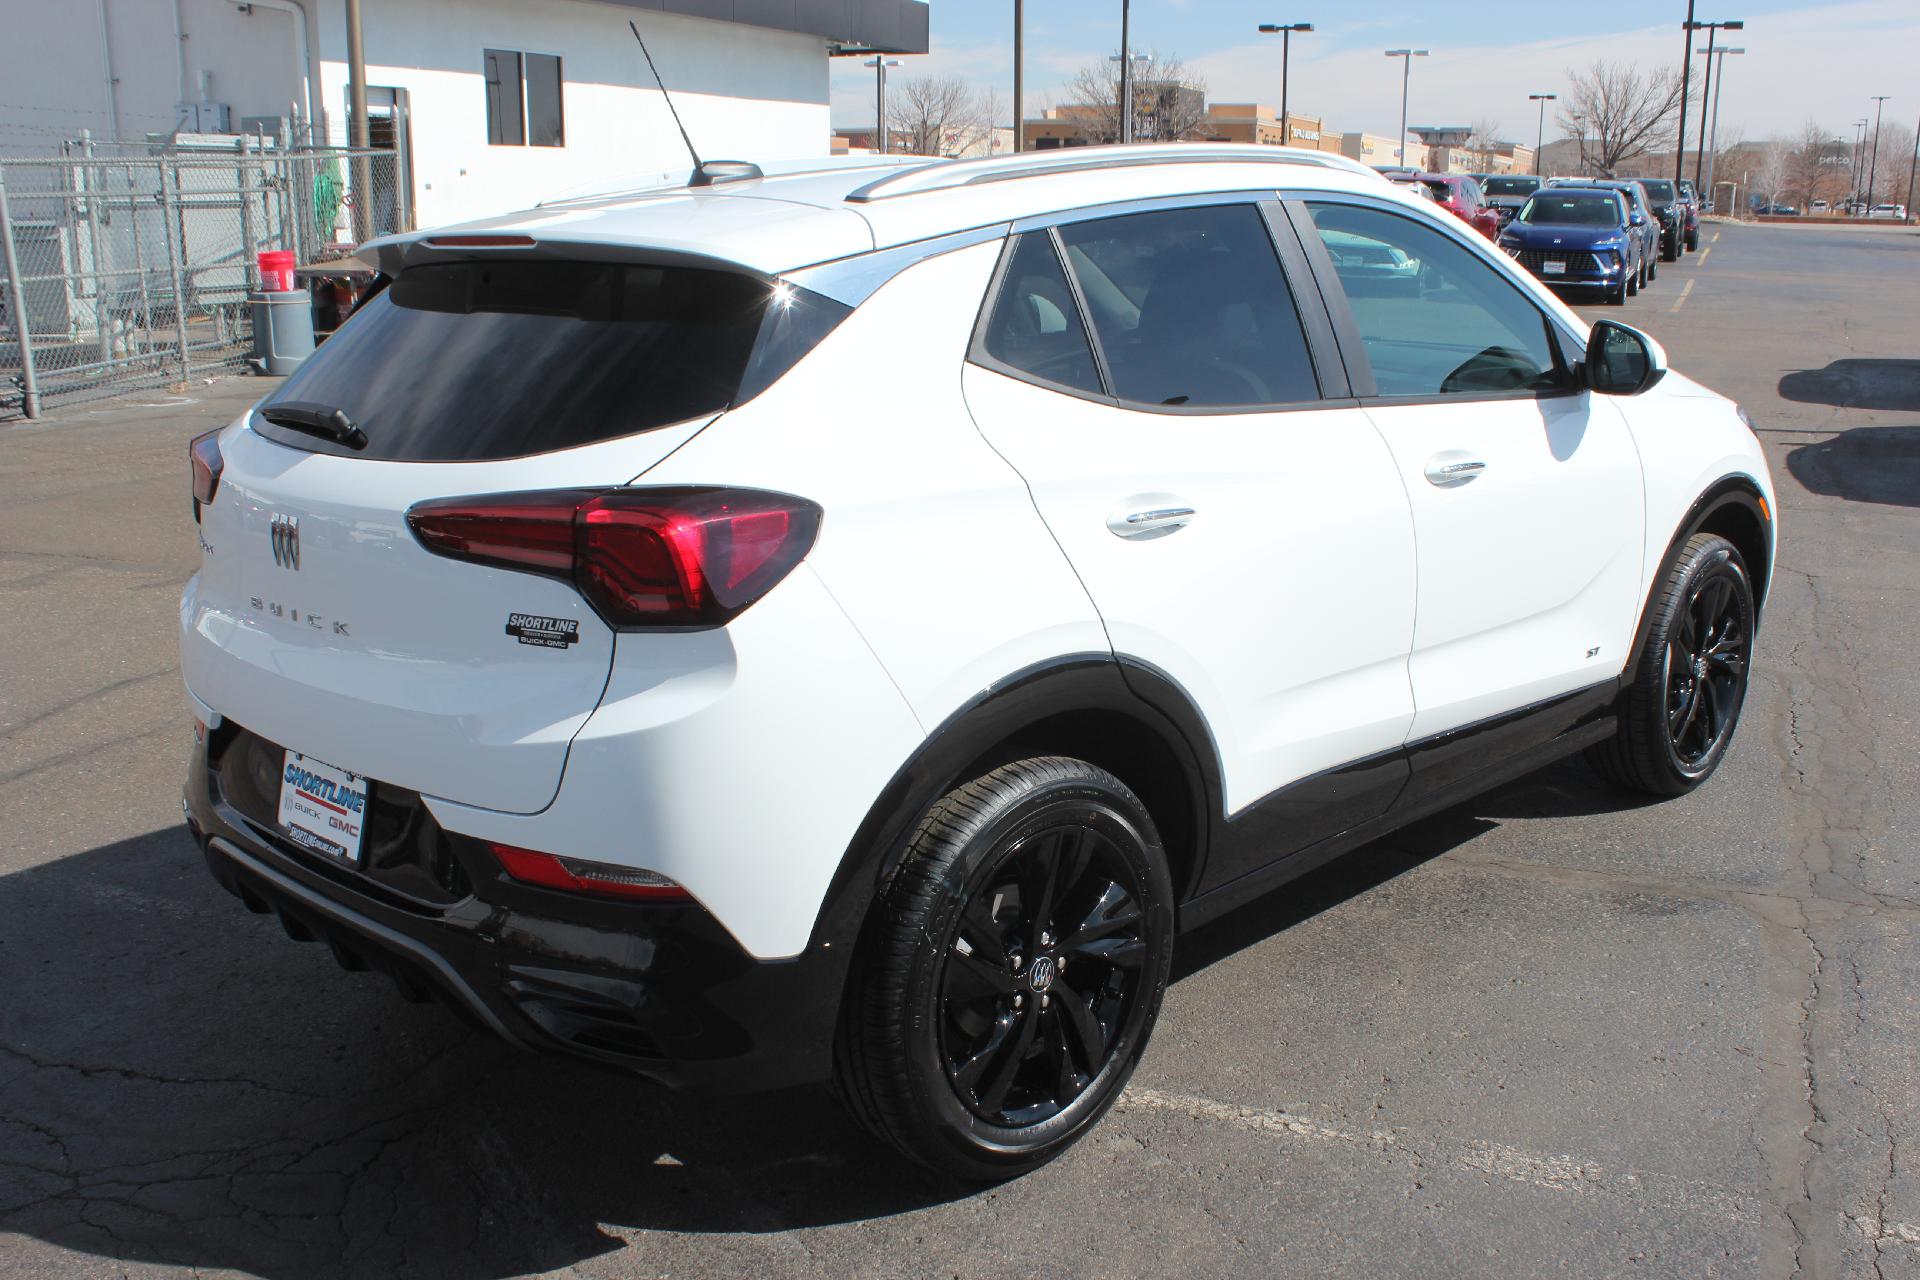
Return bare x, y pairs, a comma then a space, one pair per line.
1863, 464
1564, 789
181, 1084
1857, 384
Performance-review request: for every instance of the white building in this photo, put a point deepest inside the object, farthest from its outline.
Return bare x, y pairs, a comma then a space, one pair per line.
493, 104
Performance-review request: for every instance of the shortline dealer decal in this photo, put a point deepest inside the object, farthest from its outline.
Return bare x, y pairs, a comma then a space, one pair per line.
548, 633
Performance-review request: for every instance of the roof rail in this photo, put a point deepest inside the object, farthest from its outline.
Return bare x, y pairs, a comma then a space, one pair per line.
636, 184
946, 175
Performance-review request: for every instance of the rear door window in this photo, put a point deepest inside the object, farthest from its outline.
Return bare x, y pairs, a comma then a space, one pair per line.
1191, 307
470, 361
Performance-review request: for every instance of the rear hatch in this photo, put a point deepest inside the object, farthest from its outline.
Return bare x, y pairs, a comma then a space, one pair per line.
319, 622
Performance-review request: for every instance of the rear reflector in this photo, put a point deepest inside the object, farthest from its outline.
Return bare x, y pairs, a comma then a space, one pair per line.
575, 875
203, 459
644, 558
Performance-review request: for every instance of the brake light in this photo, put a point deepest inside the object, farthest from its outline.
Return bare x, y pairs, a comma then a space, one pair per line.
203, 458
494, 241
644, 558
576, 875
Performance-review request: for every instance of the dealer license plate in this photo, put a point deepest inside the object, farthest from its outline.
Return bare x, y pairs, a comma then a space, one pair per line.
1552, 268
322, 808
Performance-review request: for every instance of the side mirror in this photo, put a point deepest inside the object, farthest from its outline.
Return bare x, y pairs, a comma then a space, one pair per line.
1638, 219
1621, 361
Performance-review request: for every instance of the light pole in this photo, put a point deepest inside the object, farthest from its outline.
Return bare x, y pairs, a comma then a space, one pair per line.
1406, 80
880, 65
1286, 30
1019, 69
1717, 59
1853, 174
1686, 71
1126, 92
1540, 138
1706, 92
1873, 165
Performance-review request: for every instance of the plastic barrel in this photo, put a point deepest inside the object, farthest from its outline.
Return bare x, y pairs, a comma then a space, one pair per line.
282, 330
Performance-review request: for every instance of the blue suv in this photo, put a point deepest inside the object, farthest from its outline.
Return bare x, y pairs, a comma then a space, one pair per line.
1579, 238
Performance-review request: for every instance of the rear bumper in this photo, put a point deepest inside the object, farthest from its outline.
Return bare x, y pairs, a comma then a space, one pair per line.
662, 990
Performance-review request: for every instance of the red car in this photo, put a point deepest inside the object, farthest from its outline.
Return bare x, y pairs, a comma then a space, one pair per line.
1461, 196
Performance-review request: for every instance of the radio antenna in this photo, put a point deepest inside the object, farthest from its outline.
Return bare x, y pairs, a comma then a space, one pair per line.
697, 165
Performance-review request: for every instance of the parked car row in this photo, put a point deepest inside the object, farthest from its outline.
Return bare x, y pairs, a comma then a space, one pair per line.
1601, 235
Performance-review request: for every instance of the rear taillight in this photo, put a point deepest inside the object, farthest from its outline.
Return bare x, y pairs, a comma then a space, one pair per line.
644, 558
575, 875
203, 457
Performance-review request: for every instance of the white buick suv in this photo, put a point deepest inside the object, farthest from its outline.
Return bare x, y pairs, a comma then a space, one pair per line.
843, 623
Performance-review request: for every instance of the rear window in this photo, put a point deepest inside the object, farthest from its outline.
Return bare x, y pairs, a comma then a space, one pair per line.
1511, 186
471, 361
1660, 190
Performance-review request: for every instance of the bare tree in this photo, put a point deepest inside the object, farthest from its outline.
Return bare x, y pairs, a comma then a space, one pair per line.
1618, 111
1895, 178
1169, 101
1483, 144
1769, 175
1817, 169
936, 115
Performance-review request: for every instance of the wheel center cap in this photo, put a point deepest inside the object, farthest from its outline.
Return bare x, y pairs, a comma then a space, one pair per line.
1041, 973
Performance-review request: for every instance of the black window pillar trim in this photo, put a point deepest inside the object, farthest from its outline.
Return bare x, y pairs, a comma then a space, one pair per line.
1310, 301
1085, 312
1346, 330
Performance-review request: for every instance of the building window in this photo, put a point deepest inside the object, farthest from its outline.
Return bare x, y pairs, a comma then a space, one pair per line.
545, 127
524, 99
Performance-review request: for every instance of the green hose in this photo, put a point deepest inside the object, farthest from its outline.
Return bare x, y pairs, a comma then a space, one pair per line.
328, 191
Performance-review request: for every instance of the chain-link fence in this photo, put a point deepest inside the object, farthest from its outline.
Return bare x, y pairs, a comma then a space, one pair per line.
130, 265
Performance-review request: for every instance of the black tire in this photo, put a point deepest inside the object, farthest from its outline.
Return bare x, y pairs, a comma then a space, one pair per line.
1682, 703
1653, 268
1011, 970
1632, 286
1693, 241
1617, 296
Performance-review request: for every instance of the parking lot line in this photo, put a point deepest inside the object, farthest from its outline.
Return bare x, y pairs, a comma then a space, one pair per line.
1687, 289
1551, 1172
1704, 252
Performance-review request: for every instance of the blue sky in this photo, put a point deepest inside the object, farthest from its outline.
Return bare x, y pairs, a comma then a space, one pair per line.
1803, 60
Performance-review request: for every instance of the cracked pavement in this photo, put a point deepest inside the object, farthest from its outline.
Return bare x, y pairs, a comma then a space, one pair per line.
1552, 1030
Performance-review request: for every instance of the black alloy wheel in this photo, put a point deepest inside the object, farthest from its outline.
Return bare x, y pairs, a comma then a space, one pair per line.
1682, 701
1040, 974
1011, 971
1707, 656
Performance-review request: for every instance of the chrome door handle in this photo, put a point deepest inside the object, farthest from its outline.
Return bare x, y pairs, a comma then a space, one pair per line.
1154, 523
1446, 473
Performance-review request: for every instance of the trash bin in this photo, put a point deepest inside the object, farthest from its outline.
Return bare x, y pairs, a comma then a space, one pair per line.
282, 330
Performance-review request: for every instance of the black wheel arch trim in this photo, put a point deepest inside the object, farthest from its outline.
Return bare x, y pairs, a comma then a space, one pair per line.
1072, 684
1735, 490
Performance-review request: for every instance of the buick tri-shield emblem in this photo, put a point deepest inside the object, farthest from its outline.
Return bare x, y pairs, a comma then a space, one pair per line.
286, 541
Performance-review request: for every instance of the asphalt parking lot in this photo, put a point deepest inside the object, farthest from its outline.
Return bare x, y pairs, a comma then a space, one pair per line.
1554, 1031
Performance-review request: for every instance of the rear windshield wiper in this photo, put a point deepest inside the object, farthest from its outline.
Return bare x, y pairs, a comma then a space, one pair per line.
317, 420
